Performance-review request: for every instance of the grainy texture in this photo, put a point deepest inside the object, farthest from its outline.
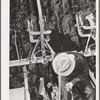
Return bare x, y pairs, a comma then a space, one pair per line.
60, 18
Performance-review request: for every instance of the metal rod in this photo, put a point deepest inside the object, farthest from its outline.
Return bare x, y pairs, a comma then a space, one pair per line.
16, 46
41, 27
26, 61
26, 83
59, 78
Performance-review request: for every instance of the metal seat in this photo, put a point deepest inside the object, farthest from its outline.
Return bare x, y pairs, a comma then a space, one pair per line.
33, 36
81, 27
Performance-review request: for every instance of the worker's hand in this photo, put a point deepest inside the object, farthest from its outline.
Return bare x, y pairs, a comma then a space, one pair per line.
69, 86
49, 85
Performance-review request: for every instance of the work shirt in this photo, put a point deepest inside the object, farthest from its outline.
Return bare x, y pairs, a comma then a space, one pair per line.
80, 78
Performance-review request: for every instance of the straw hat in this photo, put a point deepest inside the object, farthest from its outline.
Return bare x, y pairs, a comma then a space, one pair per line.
63, 64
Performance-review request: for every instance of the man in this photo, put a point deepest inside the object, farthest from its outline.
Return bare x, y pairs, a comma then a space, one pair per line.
74, 71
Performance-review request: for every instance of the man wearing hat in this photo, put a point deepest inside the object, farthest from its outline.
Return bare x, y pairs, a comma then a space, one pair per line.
74, 71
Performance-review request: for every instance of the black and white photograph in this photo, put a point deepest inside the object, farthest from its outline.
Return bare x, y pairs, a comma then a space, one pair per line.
52, 50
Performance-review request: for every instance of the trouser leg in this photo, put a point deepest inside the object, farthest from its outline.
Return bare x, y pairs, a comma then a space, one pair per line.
76, 93
88, 92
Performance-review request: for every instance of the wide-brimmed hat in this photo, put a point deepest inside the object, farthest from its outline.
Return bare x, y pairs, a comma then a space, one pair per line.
63, 64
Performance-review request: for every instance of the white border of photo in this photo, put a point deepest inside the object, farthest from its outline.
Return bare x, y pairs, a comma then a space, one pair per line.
5, 14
